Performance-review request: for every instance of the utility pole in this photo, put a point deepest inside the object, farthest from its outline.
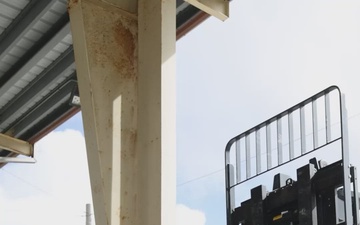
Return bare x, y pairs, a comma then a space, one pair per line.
88, 214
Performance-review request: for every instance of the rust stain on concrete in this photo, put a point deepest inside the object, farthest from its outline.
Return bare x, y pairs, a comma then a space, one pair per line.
110, 123
96, 188
72, 4
126, 40
133, 138
113, 42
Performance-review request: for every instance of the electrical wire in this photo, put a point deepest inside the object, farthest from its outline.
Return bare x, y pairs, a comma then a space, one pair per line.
200, 177
219, 170
25, 181
178, 185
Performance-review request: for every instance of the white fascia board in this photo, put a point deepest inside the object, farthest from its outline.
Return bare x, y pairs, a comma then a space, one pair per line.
217, 8
16, 160
16, 145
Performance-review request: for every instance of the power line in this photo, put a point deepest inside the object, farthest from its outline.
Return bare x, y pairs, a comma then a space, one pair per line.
219, 170
201, 177
179, 185
72, 213
25, 181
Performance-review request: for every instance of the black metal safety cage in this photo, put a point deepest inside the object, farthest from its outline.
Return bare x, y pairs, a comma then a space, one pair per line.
253, 142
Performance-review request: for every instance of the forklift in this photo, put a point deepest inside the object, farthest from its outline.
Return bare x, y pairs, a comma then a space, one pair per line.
318, 192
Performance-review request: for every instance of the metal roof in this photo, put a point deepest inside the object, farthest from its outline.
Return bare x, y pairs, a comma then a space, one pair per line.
37, 69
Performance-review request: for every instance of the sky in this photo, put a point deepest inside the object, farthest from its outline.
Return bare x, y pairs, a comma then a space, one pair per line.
232, 75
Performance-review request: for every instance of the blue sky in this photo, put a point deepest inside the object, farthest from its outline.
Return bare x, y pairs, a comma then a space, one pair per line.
230, 76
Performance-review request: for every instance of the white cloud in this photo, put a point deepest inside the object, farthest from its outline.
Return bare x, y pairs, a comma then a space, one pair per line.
188, 216
55, 190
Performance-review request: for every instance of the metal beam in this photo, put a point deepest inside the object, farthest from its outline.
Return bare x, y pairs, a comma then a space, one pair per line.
33, 57
55, 100
16, 145
23, 23
58, 68
345, 152
247, 156
238, 161
268, 147
49, 123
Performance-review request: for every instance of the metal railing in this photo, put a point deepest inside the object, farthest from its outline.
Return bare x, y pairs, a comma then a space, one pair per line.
245, 154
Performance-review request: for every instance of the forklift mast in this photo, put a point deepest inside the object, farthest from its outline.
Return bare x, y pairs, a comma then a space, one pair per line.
319, 193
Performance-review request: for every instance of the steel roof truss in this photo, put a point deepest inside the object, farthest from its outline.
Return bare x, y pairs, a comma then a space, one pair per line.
60, 66
22, 24
36, 57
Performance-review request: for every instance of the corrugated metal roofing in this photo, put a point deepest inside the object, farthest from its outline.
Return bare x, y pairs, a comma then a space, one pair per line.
37, 69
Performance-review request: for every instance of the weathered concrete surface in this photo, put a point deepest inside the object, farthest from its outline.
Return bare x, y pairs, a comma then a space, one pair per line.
126, 73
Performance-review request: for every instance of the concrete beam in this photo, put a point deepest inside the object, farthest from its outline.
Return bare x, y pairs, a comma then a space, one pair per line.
16, 145
126, 74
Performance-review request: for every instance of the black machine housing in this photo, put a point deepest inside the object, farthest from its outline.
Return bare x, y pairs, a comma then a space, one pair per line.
316, 197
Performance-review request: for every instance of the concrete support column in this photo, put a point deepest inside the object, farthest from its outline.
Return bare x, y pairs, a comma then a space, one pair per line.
156, 110
125, 62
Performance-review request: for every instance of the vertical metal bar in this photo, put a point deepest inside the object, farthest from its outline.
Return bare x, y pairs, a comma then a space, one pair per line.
247, 150
327, 118
230, 194
258, 152
238, 160
279, 141
355, 202
229, 181
291, 135
302, 130
346, 160
315, 124
268, 146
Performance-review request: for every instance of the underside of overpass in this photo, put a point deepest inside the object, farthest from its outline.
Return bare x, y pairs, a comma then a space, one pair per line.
37, 69
119, 56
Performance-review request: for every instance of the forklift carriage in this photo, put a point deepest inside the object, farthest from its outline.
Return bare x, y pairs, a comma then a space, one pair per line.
321, 194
